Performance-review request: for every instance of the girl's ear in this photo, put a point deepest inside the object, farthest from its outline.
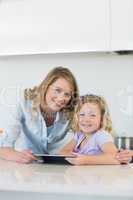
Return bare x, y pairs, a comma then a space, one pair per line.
103, 121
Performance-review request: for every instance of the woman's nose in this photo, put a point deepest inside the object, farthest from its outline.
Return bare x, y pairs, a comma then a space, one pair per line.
61, 98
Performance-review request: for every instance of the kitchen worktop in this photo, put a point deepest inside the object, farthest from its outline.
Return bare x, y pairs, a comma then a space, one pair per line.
63, 181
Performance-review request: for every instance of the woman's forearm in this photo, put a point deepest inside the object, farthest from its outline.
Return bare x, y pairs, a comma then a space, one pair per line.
11, 154
5, 152
131, 152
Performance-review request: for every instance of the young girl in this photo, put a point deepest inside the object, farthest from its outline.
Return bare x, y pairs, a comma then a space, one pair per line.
93, 142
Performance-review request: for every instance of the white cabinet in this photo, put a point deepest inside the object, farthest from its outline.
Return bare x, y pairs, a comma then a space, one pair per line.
121, 24
54, 26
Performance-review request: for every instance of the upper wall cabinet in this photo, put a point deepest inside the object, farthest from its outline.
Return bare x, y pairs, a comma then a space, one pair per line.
121, 24
54, 26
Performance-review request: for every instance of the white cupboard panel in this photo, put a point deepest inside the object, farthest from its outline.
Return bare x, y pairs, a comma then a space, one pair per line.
53, 26
122, 24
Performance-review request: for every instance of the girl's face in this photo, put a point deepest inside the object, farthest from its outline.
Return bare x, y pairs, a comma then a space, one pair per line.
58, 95
89, 118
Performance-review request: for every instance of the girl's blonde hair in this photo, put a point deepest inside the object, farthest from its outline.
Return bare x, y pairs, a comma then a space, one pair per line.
106, 122
38, 93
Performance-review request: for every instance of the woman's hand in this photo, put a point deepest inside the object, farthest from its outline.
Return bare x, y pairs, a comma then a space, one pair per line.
24, 156
124, 156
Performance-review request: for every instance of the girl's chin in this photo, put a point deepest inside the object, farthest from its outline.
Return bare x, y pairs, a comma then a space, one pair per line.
88, 130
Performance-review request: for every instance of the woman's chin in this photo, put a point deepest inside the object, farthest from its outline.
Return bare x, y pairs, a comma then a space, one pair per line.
54, 109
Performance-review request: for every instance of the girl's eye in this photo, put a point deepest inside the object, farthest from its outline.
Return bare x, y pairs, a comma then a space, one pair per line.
81, 114
93, 115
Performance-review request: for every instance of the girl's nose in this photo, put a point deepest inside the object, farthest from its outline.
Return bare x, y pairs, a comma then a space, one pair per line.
87, 118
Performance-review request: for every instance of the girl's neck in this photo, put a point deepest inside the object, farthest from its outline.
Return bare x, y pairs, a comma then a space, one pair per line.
88, 135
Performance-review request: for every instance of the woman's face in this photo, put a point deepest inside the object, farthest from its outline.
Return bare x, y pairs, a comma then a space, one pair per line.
89, 118
58, 95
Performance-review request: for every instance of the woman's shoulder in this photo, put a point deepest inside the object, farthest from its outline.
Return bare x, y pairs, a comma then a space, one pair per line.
23, 103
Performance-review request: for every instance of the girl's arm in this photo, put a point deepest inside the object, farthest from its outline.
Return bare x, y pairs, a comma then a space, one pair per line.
109, 148
68, 149
106, 158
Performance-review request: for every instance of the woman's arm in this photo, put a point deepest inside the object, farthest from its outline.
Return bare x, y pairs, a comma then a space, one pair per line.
8, 153
124, 156
10, 136
68, 149
131, 153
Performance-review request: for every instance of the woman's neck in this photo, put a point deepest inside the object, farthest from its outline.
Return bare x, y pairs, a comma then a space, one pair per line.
48, 116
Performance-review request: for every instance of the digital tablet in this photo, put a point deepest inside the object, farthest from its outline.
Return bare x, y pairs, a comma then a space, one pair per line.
54, 159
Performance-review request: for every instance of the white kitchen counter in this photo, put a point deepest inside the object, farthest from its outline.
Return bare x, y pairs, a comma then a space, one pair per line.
43, 181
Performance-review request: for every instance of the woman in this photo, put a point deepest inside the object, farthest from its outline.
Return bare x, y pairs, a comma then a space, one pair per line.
43, 118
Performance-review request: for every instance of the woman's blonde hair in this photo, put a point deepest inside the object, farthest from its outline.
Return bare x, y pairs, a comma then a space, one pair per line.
106, 122
38, 93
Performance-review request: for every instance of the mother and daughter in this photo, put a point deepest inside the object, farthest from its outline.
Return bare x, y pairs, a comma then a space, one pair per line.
49, 114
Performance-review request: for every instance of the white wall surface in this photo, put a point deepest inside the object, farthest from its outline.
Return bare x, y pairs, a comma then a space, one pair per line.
110, 75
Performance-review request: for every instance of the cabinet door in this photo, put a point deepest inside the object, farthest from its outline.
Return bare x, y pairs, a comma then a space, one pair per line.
53, 26
122, 24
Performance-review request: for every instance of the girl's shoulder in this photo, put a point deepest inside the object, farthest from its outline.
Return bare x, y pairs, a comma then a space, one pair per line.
102, 132
103, 136
78, 135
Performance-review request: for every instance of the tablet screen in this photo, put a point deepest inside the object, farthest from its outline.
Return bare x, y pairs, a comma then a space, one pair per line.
54, 159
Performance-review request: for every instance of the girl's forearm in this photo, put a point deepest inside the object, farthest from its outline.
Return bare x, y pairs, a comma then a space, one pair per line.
104, 159
65, 152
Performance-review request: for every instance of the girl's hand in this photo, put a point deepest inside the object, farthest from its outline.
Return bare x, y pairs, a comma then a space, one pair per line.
24, 156
78, 160
124, 156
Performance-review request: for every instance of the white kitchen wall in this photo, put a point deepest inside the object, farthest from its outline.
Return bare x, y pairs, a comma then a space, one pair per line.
107, 74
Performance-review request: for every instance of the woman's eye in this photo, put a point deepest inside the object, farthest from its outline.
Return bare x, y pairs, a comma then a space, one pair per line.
57, 90
68, 95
